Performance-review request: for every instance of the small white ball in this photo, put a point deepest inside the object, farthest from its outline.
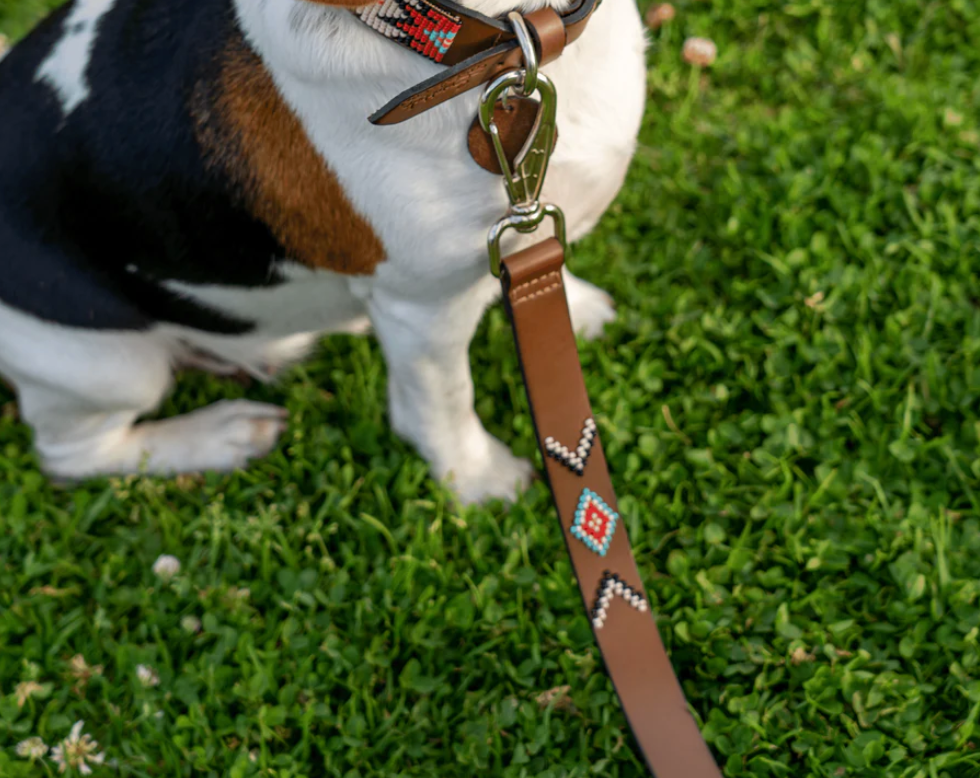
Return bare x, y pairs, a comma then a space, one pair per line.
166, 567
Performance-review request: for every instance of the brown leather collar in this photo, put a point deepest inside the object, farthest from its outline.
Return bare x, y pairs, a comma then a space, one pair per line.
481, 49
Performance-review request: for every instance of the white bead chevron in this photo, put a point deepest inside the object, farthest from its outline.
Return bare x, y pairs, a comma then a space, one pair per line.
612, 586
575, 460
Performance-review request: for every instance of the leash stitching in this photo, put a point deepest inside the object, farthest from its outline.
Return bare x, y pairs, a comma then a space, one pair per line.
539, 293
533, 282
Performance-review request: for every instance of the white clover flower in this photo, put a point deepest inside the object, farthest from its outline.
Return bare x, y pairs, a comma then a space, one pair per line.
700, 51
25, 690
815, 301
82, 671
801, 655
33, 748
190, 624
147, 675
166, 567
77, 751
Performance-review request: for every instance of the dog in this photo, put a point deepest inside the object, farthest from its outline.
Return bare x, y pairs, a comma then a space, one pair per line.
196, 182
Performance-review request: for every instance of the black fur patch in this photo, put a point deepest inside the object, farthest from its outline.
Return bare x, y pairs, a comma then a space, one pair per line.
120, 182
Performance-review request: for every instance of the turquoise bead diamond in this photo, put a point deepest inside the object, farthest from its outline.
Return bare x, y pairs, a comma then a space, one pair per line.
595, 522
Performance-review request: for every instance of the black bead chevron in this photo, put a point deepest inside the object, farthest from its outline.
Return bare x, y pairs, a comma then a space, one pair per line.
574, 459
612, 586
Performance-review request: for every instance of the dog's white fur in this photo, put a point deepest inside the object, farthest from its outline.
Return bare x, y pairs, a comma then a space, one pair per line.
65, 68
83, 391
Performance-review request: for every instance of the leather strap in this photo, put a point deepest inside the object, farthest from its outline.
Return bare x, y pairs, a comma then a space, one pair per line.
607, 575
482, 49
515, 122
550, 35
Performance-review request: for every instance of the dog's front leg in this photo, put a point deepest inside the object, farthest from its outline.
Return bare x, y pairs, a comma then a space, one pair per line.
591, 308
430, 389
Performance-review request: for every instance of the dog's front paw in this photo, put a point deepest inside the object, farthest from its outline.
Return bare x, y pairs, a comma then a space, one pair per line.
496, 475
225, 436
591, 307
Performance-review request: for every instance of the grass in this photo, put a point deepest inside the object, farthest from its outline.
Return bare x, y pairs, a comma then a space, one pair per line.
789, 401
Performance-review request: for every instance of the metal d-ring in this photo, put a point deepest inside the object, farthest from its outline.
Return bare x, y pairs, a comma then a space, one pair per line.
526, 222
528, 50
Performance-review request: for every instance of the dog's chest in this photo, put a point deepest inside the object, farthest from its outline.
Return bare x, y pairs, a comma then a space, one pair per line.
248, 134
282, 123
185, 188
427, 203
416, 183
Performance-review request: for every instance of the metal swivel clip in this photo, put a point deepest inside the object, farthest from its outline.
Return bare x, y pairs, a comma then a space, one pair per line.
524, 179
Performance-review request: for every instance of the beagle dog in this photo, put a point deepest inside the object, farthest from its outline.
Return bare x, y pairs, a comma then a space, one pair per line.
196, 181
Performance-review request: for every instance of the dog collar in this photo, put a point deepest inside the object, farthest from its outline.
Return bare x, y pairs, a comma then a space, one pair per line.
475, 48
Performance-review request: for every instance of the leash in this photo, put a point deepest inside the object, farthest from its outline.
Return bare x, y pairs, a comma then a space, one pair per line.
522, 134
608, 579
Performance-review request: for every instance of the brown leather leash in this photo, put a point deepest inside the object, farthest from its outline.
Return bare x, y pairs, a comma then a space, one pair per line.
534, 296
608, 579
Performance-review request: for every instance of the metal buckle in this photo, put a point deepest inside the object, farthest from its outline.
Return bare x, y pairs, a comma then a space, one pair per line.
524, 180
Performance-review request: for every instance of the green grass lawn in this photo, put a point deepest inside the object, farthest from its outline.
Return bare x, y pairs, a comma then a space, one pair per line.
789, 401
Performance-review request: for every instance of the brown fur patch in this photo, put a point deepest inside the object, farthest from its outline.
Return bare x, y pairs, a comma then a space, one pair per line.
248, 131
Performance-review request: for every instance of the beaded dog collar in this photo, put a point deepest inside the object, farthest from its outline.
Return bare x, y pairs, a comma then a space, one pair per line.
475, 48
415, 24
